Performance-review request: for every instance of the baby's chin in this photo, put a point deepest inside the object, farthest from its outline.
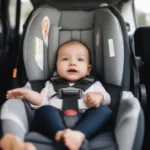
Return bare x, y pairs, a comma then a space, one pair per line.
72, 80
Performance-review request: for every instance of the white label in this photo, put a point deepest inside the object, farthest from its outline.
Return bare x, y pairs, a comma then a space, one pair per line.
111, 47
97, 39
38, 52
0, 29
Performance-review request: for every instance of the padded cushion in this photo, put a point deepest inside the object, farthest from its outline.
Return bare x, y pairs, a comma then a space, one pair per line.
141, 40
103, 141
75, 5
106, 48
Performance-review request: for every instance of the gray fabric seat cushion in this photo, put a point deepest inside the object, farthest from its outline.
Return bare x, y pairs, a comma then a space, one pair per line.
103, 141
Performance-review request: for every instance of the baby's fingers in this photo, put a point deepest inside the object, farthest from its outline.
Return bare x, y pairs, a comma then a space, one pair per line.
59, 135
8, 96
92, 104
11, 94
85, 98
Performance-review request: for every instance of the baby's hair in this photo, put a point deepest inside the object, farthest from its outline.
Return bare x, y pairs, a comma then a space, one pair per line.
74, 42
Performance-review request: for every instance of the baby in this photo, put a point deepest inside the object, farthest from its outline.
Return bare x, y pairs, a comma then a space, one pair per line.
73, 64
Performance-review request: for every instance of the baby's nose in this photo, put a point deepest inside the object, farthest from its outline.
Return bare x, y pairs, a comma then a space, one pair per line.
72, 63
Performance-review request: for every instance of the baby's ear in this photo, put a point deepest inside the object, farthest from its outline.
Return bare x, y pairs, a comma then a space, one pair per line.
89, 69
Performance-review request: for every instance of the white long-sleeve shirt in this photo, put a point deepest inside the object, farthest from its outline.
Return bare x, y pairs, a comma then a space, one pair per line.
48, 97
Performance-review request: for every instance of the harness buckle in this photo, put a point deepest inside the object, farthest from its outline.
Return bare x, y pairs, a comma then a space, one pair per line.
70, 112
70, 91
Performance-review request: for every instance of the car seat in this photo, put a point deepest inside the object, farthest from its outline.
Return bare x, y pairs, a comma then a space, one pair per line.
142, 53
104, 32
142, 46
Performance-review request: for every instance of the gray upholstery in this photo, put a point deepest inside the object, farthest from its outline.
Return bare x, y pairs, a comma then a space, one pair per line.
80, 26
34, 29
104, 141
113, 32
76, 20
128, 121
14, 118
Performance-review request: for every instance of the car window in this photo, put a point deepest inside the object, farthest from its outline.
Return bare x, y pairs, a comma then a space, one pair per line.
26, 8
12, 12
142, 12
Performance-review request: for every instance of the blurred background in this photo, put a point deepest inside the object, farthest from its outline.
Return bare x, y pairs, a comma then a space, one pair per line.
141, 7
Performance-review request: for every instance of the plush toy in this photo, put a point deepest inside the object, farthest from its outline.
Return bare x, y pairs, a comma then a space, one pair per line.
12, 142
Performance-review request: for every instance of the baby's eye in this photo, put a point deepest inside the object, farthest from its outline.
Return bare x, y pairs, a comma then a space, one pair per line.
64, 59
80, 59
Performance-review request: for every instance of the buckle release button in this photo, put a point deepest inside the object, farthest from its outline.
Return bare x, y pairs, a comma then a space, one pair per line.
70, 112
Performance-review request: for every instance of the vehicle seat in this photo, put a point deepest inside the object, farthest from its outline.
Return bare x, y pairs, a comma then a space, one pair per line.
103, 31
142, 47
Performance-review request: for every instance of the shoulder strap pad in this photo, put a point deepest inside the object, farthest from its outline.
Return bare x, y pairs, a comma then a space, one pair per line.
59, 83
82, 84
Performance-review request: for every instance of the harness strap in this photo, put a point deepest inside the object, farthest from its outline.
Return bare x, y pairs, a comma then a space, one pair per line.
82, 84
70, 95
59, 83
70, 104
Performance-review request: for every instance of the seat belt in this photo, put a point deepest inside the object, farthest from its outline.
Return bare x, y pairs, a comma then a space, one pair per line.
70, 96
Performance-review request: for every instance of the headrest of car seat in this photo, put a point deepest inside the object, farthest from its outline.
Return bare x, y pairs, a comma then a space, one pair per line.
74, 4
142, 44
100, 30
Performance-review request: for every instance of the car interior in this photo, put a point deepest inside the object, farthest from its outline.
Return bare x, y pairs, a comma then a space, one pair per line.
119, 52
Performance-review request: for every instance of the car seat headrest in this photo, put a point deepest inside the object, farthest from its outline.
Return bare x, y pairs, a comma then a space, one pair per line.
141, 41
75, 5
99, 30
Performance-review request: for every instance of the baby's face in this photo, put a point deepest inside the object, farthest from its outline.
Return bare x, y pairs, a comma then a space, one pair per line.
73, 62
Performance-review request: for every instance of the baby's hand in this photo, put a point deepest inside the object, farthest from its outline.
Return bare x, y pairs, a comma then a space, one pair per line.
18, 93
93, 99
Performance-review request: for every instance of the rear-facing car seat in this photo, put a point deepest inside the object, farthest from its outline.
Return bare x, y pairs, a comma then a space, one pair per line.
104, 32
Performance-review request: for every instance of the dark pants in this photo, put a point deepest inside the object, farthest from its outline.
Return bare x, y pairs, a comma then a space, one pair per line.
48, 120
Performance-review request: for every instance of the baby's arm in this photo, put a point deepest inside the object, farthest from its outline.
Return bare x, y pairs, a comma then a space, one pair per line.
22, 93
97, 96
94, 99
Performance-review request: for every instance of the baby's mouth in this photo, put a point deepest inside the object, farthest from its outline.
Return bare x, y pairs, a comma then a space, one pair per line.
72, 71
